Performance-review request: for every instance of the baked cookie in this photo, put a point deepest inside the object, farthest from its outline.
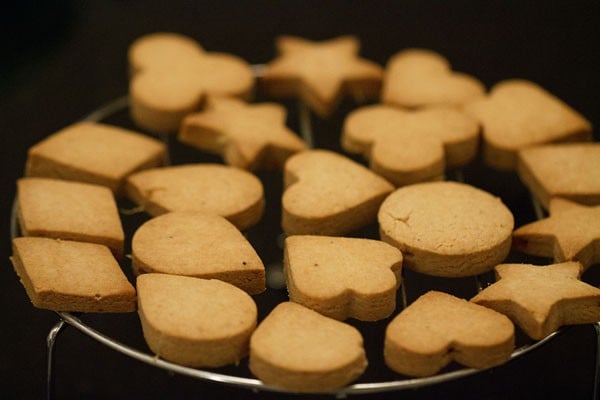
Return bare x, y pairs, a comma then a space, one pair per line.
69, 210
329, 194
419, 78
447, 229
226, 191
518, 114
321, 73
568, 170
540, 299
343, 277
411, 146
200, 245
439, 328
296, 348
62, 275
570, 233
195, 322
94, 153
171, 74
248, 136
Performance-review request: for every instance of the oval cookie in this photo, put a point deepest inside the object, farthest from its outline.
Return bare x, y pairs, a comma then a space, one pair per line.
195, 322
447, 228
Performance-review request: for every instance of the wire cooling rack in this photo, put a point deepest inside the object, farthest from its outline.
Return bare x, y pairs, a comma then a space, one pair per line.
274, 283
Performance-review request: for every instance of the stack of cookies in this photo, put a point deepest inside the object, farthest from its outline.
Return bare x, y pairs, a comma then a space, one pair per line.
195, 272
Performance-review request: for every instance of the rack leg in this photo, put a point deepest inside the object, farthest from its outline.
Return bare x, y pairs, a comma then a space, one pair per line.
50, 340
597, 369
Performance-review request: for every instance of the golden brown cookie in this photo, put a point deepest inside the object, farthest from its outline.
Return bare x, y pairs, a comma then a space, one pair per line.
296, 348
568, 170
417, 78
518, 114
329, 194
69, 210
94, 153
197, 244
62, 275
439, 328
541, 299
343, 277
570, 233
248, 136
226, 191
447, 229
321, 73
171, 74
195, 322
411, 146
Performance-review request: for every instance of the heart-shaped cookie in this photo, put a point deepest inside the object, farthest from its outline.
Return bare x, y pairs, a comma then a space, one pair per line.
419, 77
200, 245
171, 76
438, 328
411, 146
329, 194
343, 277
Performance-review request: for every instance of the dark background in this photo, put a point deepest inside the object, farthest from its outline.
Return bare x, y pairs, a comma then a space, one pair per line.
60, 60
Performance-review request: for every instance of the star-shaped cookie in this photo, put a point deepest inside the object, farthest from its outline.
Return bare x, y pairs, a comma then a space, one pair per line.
171, 74
571, 232
540, 299
320, 73
249, 136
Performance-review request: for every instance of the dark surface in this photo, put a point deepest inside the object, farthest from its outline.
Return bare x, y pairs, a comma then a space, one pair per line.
61, 60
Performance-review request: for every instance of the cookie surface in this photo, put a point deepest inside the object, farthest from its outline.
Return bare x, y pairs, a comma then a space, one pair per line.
94, 153
568, 170
411, 146
321, 73
298, 349
69, 210
417, 78
226, 191
171, 76
195, 322
248, 136
438, 328
570, 233
446, 228
518, 114
541, 299
343, 277
63, 275
200, 245
329, 194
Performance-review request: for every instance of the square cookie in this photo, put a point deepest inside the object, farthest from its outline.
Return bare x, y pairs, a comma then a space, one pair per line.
62, 275
69, 210
94, 153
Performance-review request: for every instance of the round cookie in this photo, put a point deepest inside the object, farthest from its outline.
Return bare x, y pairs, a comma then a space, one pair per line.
447, 229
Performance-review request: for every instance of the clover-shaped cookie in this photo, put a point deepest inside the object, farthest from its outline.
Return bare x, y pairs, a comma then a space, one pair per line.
417, 78
195, 322
541, 299
226, 191
570, 233
446, 229
343, 277
518, 114
329, 194
411, 146
200, 245
171, 76
249, 136
567, 170
439, 328
321, 73
298, 349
